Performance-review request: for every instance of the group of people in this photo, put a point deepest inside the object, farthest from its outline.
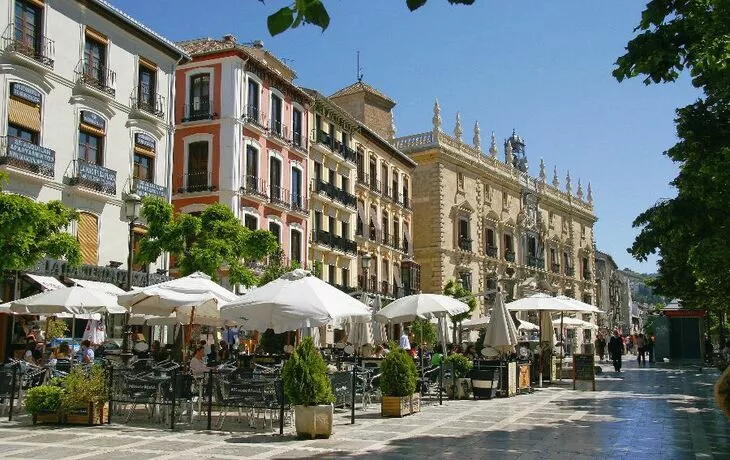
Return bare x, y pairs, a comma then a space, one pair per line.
34, 353
638, 344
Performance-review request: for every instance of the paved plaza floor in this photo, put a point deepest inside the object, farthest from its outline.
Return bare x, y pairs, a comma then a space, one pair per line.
661, 412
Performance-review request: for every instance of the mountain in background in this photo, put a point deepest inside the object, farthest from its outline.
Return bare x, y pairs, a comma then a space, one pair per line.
640, 290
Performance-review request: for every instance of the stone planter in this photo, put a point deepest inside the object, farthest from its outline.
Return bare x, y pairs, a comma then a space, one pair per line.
95, 414
459, 389
314, 421
398, 406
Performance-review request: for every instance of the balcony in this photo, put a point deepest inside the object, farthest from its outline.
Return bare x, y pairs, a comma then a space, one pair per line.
94, 177
406, 201
534, 261
279, 196
555, 268
253, 116
384, 239
146, 188
386, 192
372, 182
197, 111
254, 185
586, 275
144, 100
334, 241
194, 182
386, 289
96, 76
362, 178
509, 256
373, 233
324, 138
349, 154
406, 246
398, 199
29, 44
298, 142
279, 131
335, 193
464, 243
20, 154
395, 242
345, 288
492, 250
570, 271
299, 204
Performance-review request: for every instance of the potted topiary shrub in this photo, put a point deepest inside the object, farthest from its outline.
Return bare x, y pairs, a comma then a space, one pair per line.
460, 386
44, 403
86, 397
398, 384
309, 390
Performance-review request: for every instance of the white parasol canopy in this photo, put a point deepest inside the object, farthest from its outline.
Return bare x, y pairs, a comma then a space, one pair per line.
573, 323
501, 331
584, 307
193, 299
527, 326
379, 334
293, 301
424, 306
475, 323
73, 300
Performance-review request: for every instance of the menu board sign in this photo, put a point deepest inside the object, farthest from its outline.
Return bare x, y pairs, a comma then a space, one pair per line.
584, 369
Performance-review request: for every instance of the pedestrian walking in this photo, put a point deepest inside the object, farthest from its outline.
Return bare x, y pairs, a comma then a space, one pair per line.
650, 339
641, 350
601, 346
615, 347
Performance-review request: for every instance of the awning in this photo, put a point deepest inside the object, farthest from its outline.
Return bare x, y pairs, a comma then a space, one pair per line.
361, 212
109, 288
48, 283
396, 276
23, 114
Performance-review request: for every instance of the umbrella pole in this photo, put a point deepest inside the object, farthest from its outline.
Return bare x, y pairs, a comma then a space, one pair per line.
562, 347
73, 331
539, 344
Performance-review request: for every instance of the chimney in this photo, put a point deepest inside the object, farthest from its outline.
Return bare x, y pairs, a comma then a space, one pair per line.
258, 44
229, 38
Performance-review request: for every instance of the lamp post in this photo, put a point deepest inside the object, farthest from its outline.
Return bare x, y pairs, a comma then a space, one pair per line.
365, 260
132, 205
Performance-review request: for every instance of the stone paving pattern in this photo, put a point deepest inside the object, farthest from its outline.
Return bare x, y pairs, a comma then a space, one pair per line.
661, 412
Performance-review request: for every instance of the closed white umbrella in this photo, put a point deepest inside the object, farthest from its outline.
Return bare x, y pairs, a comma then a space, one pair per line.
293, 301
380, 336
501, 331
359, 333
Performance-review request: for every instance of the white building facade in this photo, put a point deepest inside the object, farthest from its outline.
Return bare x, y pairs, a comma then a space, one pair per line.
86, 116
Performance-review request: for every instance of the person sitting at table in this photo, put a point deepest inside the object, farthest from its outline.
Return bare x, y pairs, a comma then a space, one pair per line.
378, 353
87, 353
470, 351
64, 351
30, 347
197, 365
223, 351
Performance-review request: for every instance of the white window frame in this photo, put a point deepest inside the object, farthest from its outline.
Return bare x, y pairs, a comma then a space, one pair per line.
292, 229
305, 119
44, 96
280, 158
253, 143
197, 71
258, 81
275, 92
78, 132
199, 137
253, 213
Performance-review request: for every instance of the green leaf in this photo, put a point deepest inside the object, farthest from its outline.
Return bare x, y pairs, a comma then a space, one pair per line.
280, 21
413, 5
316, 14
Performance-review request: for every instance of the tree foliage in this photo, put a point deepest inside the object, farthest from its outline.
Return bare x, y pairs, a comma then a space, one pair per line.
458, 291
30, 231
424, 332
314, 12
205, 243
689, 231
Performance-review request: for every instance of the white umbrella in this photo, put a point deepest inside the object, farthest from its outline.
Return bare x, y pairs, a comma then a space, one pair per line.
359, 333
501, 331
547, 333
527, 326
475, 323
582, 306
574, 323
293, 301
541, 302
312, 332
73, 300
424, 306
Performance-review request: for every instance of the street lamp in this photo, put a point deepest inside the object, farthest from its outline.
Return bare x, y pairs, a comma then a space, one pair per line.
132, 205
365, 260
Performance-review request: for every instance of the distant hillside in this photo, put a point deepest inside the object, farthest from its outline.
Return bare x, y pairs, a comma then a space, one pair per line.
640, 290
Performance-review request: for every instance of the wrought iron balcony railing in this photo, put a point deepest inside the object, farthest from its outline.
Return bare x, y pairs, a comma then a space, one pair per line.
570, 271
509, 256
25, 155
534, 261
298, 141
30, 43
254, 185
279, 130
200, 110
279, 196
554, 267
97, 76
491, 250
253, 115
144, 99
299, 203
193, 182
586, 275
465, 244
94, 177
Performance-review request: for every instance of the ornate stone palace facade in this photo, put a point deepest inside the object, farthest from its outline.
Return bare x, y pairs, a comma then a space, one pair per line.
487, 222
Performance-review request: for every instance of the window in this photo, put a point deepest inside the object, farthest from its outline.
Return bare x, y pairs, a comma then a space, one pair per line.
252, 162
384, 175
509, 251
275, 228
199, 97
250, 221
396, 231
345, 273
143, 167
90, 148
360, 159
460, 180
505, 200
317, 221
28, 20
276, 115
386, 226
295, 246
465, 278
88, 236
394, 185
345, 139
331, 177
297, 127
317, 172
23, 133
406, 201
464, 234
252, 104
296, 187
197, 173
331, 225
345, 229
146, 89
373, 172
275, 178
491, 243
95, 59
331, 275
345, 184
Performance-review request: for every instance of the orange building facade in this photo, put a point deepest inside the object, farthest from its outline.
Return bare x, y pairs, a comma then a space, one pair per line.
241, 140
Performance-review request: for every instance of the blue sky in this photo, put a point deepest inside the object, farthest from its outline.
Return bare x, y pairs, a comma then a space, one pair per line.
543, 68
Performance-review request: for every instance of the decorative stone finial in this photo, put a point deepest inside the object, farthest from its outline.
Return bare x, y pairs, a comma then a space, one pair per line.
508, 154
477, 136
568, 184
493, 146
542, 171
392, 125
579, 193
590, 194
436, 116
458, 132
556, 181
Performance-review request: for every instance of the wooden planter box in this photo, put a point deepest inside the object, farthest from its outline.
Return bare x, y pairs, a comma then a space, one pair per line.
96, 414
398, 406
47, 417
